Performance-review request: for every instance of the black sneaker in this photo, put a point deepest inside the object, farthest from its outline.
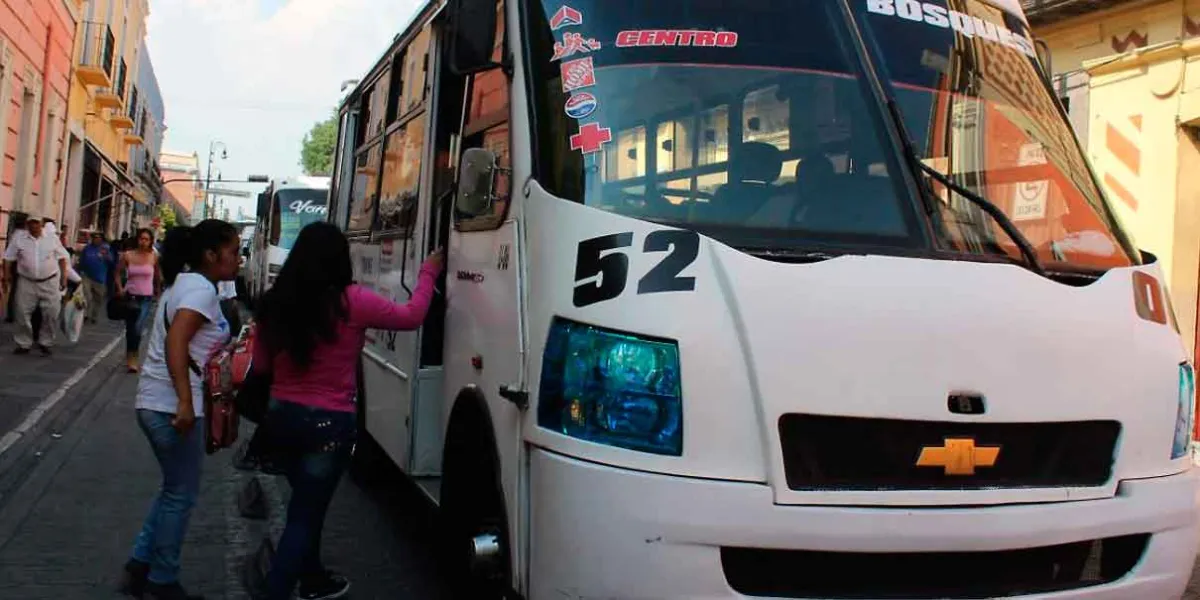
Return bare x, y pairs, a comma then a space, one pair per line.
168, 591
46, 351
20, 350
326, 586
133, 578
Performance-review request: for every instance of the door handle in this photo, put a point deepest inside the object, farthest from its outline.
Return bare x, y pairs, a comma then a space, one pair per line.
517, 397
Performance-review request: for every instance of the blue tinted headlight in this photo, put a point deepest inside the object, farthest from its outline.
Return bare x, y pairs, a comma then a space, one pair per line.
613, 388
1185, 412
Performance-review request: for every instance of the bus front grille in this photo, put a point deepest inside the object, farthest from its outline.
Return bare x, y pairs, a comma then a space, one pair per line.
991, 574
852, 453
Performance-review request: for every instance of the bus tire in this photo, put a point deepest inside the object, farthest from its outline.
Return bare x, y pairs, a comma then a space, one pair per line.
472, 507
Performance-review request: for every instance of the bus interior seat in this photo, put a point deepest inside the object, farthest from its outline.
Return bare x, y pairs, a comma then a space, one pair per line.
854, 202
814, 186
752, 174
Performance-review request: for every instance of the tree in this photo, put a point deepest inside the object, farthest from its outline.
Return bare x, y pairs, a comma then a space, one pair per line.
166, 216
316, 151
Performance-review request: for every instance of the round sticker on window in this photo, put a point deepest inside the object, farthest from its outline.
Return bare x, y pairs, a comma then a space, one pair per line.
580, 105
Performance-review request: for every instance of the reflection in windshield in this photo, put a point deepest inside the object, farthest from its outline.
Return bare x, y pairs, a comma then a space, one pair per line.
750, 125
771, 138
978, 111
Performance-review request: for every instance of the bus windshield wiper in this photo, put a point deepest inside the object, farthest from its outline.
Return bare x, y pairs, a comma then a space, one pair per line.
1005, 223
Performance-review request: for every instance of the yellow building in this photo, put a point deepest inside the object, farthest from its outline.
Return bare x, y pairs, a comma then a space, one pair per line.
1126, 73
103, 116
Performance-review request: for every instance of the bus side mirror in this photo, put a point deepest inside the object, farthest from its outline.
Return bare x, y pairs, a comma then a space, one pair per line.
476, 183
473, 39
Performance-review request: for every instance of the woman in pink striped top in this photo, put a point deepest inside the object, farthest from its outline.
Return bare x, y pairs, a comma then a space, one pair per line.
311, 329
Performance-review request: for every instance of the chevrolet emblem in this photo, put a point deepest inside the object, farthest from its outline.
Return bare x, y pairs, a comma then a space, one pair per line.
958, 456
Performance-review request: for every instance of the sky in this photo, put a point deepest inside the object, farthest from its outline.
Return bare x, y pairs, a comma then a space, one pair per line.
257, 74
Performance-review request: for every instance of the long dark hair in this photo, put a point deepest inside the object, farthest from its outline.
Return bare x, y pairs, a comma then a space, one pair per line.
185, 247
307, 299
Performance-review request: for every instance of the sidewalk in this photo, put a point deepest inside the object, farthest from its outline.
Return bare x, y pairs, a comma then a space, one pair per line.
68, 526
27, 380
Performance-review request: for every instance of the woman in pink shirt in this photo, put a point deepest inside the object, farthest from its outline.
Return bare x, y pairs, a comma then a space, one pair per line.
312, 325
143, 281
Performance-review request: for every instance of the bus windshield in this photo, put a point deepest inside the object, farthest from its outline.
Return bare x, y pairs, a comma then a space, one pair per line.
755, 124
296, 208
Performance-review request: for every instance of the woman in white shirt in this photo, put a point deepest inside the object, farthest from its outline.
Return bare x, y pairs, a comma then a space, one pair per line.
188, 325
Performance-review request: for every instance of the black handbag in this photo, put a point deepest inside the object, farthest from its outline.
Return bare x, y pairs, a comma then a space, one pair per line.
254, 396
119, 307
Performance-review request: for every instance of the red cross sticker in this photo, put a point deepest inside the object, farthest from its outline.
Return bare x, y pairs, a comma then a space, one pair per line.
590, 138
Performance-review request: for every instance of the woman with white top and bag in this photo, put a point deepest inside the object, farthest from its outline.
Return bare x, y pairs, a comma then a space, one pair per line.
188, 325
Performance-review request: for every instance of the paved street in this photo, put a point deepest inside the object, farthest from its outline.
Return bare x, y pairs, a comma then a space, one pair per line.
75, 487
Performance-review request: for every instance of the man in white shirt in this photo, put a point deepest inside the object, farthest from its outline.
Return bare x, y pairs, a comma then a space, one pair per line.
40, 262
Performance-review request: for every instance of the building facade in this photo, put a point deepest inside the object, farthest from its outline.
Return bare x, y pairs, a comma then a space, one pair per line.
105, 105
149, 128
36, 41
182, 188
1126, 74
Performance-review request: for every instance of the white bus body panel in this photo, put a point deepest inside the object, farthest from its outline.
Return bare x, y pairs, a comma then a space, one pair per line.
390, 363
605, 532
483, 320
866, 336
427, 419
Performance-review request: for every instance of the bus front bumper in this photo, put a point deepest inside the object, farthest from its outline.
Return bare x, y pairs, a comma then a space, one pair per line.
603, 532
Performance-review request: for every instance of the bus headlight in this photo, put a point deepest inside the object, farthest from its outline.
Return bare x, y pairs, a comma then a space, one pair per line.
1185, 412
612, 388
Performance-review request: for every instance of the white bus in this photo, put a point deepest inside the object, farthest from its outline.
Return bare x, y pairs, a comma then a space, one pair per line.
762, 299
286, 206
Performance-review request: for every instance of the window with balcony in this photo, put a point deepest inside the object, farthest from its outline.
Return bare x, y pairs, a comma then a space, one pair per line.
99, 48
120, 85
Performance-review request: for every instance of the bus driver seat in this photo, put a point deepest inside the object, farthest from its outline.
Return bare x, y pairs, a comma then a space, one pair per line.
755, 167
816, 200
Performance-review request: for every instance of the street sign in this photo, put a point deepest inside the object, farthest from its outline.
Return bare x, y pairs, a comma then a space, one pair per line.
225, 192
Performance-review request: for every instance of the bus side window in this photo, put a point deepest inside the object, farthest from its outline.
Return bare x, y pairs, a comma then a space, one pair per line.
401, 175
364, 190
405, 141
342, 182
275, 219
487, 127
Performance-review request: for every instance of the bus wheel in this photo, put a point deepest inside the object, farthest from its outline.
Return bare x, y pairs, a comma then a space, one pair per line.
474, 548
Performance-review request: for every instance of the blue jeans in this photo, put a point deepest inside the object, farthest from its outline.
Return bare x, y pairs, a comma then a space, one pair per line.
179, 456
135, 322
317, 445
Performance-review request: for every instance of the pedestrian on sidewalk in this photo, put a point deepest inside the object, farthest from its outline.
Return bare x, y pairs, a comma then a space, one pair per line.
312, 327
139, 269
188, 325
40, 263
96, 259
17, 229
227, 290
